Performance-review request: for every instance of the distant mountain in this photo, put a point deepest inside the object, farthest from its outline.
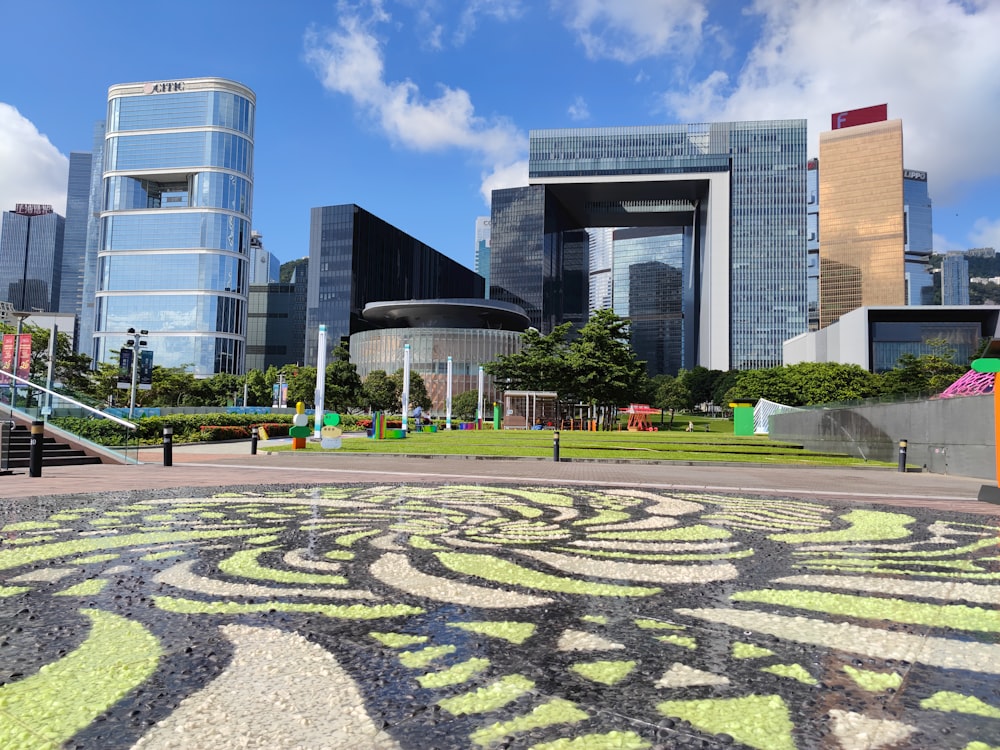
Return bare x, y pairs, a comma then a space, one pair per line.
287, 269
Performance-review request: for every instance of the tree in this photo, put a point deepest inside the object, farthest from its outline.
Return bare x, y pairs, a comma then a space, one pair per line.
927, 373
378, 391
302, 386
541, 365
604, 369
806, 383
464, 405
673, 395
418, 390
258, 390
343, 386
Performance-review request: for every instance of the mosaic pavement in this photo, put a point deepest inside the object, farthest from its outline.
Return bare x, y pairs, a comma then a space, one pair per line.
495, 617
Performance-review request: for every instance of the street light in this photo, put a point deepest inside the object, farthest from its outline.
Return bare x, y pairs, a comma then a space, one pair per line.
136, 343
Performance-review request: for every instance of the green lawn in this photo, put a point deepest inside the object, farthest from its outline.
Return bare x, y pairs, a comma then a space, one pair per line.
646, 446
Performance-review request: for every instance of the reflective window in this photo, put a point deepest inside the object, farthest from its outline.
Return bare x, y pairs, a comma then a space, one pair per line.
165, 231
180, 150
187, 109
205, 190
165, 271
203, 355
172, 313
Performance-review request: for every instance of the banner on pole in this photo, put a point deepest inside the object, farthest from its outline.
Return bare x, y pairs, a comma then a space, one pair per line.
125, 369
146, 370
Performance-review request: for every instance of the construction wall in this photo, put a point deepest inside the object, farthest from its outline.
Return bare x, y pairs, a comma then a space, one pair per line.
944, 436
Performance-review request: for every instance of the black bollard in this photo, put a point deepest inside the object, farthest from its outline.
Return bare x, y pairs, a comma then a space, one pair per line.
253, 441
35, 450
902, 456
555, 446
168, 446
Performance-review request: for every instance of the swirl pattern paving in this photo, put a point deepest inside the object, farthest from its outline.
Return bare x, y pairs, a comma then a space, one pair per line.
461, 616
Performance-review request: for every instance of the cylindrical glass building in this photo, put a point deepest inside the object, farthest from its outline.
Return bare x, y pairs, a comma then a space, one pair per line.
175, 222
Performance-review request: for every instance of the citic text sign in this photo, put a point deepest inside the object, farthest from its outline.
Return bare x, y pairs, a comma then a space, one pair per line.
164, 87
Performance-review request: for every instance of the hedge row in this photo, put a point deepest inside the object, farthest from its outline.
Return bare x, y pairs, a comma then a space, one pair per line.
191, 428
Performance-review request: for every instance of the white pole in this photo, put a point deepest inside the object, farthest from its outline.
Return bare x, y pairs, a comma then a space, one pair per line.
50, 375
447, 401
406, 383
479, 402
246, 388
320, 381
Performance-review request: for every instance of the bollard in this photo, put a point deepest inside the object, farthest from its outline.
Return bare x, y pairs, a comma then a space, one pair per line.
555, 446
168, 446
902, 455
253, 441
35, 450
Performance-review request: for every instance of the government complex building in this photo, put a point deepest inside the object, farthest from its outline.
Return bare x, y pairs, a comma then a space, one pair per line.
708, 237
356, 258
175, 213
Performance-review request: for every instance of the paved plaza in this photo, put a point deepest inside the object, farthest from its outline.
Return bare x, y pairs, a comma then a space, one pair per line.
336, 601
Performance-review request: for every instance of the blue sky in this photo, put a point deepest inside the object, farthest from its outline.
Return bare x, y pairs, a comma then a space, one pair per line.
415, 109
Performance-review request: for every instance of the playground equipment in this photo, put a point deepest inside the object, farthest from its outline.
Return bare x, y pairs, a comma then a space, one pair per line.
380, 430
638, 417
299, 430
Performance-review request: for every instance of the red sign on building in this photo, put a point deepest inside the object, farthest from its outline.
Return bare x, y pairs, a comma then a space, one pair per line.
864, 116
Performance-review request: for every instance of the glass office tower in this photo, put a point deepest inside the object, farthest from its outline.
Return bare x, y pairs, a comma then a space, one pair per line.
31, 243
481, 264
918, 230
75, 236
737, 188
175, 222
861, 219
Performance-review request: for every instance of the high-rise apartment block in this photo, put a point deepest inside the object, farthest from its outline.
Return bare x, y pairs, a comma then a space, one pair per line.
356, 258
718, 212
31, 246
175, 222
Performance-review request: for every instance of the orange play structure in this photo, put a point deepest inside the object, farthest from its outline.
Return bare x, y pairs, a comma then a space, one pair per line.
638, 417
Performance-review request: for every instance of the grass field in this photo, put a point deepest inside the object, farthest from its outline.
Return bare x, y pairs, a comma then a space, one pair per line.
719, 444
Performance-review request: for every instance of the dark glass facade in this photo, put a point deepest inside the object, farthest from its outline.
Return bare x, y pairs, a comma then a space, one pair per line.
535, 262
356, 258
649, 271
276, 325
174, 235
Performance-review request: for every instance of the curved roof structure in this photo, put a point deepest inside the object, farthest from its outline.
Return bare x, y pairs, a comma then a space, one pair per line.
447, 313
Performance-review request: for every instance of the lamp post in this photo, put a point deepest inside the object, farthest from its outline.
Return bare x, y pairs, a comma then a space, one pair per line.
136, 344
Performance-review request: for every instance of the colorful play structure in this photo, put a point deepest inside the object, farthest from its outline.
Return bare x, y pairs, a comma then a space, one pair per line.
638, 417
989, 365
522, 410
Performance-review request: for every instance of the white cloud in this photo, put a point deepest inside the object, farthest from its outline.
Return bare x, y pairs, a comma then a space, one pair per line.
511, 175
935, 63
31, 169
348, 60
985, 233
578, 109
499, 10
630, 31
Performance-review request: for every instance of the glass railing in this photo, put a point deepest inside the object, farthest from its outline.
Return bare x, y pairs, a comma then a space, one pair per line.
24, 401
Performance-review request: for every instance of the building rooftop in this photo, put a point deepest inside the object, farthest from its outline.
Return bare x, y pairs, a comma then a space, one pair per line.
447, 313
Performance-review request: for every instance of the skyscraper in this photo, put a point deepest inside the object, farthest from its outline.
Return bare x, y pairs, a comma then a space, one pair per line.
861, 215
175, 221
954, 279
482, 258
75, 236
31, 246
919, 233
356, 258
88, 302
736, 189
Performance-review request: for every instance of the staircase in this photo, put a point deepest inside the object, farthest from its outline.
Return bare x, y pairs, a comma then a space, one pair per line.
18, 450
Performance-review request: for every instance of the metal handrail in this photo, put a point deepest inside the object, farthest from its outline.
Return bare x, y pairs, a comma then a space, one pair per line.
91, 409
